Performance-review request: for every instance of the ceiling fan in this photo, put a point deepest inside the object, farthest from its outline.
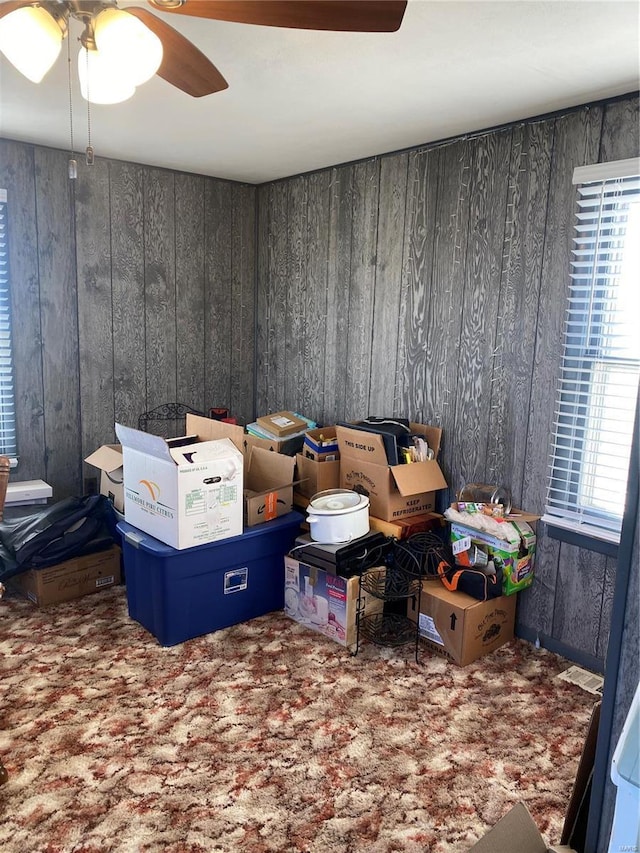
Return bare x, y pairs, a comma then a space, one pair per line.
123, 48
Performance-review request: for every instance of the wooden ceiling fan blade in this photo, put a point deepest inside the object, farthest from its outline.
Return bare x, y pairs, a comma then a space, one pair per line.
342, 15
11, 6
183, 65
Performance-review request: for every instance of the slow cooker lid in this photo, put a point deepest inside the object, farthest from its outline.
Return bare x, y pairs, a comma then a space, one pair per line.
335, 500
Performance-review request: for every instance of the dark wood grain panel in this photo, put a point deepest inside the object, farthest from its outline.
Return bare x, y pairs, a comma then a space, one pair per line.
17, 176
160, 291
279, 266
217, 236
606, 608
264, 332
338, 277
366, 182
620, 130
480, 304
127, 285
243, 302
524, 238
59, 322
411, 388
95, 321
311, 400
385, 371
190, 299
578, 598
294, 316
535, 604
576, 140
448, 276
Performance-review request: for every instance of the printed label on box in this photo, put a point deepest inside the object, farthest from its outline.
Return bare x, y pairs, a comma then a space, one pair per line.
428, 629
108, 581
236, 581
461, 545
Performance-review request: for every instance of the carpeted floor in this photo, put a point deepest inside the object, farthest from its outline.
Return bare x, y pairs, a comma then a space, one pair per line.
267, 737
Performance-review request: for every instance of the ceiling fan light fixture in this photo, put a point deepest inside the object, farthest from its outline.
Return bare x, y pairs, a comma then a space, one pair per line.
129, 44
102, 81
31, 40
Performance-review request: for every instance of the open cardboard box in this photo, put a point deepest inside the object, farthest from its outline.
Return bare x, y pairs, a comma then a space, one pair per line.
316, 476
268, 486
213, 430
394, 491
108, 459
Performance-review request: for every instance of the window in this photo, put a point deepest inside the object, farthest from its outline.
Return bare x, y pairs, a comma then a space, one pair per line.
7, 401
601, 363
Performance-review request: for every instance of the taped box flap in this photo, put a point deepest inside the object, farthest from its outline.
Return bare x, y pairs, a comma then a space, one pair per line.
143, 442
418, 477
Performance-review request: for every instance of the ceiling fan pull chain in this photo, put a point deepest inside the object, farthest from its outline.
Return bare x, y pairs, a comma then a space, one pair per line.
73, 165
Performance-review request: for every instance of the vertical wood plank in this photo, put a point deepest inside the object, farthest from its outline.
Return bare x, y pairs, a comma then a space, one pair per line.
296, 291
366, 183
127, 285
480, 306
411, 399
58, 301
518, 305
447, 290
578, 600
385, 374
17, 176
190, 301
311, 401
620, 130
95, 320
338, 287
604, 626
279, 265
535, 604
160, 292
575, 143
264, 330
217, 294
243, 302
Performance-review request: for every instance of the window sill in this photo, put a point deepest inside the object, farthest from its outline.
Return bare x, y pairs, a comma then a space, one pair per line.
591, 539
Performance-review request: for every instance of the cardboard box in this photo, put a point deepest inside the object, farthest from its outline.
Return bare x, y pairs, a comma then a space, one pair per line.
516, 831
108, 459
394, 491
268, 489
213, 430
281, 424
460, 627
184, 494
314, 476
71, 579
517, 558
405, 527
325, 602
321, 445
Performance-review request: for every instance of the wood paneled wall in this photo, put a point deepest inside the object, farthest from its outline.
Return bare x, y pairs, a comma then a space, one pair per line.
431, 284
131, 287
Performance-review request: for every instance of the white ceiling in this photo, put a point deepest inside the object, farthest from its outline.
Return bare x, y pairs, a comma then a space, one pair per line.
300, 100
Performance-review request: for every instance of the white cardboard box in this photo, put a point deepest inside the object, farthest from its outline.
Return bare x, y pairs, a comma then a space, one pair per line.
184, 494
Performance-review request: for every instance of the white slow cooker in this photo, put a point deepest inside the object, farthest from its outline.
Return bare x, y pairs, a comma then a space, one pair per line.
338, 515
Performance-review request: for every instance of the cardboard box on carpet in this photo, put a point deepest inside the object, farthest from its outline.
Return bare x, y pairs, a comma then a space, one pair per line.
516, 831
460, 627
517, 558
316, 476
108, 459
394, 491
71, 579
325, 602
268, 490
185, 491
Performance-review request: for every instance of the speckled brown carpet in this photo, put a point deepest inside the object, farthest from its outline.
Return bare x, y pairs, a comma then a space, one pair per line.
267, 737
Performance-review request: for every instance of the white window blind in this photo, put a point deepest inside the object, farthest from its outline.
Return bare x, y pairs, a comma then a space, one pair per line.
7, 401
601, 363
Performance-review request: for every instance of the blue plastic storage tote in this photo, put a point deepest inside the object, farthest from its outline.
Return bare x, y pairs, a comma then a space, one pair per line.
178, 595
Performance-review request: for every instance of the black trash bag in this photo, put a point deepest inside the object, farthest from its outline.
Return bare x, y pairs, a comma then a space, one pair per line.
68, 528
